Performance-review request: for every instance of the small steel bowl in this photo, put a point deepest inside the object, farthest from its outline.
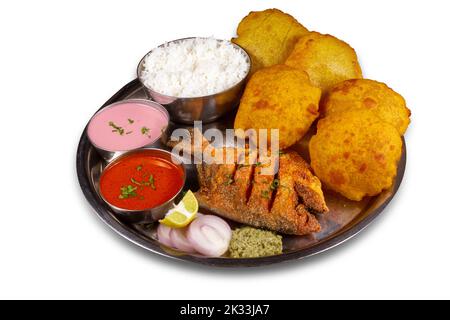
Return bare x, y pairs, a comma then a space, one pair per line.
160, 142
205, 108
150, 214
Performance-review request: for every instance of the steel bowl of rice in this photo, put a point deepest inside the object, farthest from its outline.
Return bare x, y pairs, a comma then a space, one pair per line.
196, 79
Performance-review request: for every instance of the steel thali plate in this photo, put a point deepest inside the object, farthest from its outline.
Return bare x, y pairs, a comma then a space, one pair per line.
345, 219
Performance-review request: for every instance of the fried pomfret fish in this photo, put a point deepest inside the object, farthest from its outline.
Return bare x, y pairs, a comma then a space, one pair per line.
248, 189
283, 202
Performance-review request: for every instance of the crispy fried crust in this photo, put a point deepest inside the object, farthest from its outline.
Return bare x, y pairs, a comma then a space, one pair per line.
308, 186
250, 197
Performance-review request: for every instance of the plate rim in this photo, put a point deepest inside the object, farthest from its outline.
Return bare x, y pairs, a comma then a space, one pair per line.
133, 236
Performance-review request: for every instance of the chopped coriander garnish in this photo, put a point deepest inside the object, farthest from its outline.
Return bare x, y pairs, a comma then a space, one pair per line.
229, 179
258, 164
265, 194
275, 184
139, 167
116, 128
145, 130
135, 181
149, 183
127, 192
130, 121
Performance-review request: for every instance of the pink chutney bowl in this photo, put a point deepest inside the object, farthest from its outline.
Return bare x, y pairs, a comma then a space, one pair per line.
128, 125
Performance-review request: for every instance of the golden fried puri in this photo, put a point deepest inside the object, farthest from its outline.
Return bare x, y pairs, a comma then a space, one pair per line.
355, 153
279, 97
326, 59
364, 94
268, 36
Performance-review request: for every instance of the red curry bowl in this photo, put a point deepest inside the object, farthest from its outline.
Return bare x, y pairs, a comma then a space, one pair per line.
140, 186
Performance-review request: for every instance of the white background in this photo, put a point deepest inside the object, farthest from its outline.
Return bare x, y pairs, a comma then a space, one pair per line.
60, 60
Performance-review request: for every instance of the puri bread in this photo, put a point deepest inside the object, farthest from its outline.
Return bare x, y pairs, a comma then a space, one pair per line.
279, 97
326, 59
268, 36
365, 94
355, 153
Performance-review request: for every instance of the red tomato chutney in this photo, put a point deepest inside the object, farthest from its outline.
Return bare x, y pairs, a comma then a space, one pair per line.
141, 180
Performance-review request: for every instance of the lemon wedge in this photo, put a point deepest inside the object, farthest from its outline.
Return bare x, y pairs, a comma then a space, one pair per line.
190, 202
183, 213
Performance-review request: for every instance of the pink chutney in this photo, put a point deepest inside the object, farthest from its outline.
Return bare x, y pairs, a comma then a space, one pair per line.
127, 125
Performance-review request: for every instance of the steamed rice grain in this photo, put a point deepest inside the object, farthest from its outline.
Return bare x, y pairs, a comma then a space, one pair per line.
194, 67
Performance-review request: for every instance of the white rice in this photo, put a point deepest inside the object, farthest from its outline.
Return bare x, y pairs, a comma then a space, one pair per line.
194, 67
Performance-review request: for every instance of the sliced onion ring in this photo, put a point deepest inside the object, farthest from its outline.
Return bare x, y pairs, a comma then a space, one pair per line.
163, 233
209, 235
179, 240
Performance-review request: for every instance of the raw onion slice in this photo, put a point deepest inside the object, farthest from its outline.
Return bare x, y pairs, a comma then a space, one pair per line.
209, 235
163, 233
179, 240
